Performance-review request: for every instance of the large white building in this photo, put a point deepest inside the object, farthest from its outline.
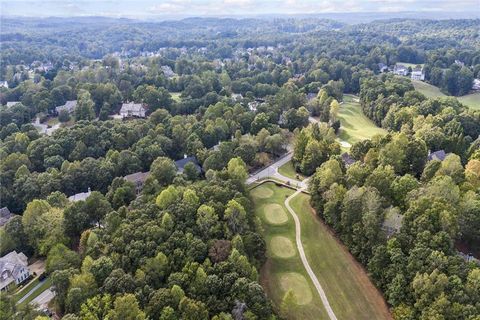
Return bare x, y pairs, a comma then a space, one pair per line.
13, 269
131, 109
400, 70
418, 73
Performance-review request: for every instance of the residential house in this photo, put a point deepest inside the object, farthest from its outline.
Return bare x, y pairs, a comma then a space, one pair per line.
12, 103
82, 196
460, 63
3, 84
400, 70
237, 97
347, 159
476, 84
5, 216
253, 105
392, 222
131, 109
418, 73
311, 96
13, 269
168, 72
69, 107
439, 155
382, 67
180, 164
138, 179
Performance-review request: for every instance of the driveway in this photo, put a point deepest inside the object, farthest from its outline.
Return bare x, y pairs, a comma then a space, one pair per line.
272, 172
43, 298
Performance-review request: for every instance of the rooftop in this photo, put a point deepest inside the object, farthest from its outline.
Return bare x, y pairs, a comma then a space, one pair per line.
132, 107
180, 164
5, 216
137, 177
437, 155
82, 196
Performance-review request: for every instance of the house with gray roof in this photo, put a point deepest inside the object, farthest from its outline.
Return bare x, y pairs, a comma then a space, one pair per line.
439, 155
180, 164
69, 106
5, 216
13, 269
168, 72
82, 196
138, 179
131, 109
400, 70
418, 73
392, 222
347, 159
382, 67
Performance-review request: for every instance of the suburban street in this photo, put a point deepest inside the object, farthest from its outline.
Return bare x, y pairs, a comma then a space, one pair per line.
272, 172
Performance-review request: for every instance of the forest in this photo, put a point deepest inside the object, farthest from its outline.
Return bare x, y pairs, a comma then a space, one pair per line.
235, 94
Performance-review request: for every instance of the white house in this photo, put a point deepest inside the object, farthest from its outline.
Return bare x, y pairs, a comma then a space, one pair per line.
400, 70
131, 109
168, 72
12, 103
418, 73
13, 269
476, 84
3, 84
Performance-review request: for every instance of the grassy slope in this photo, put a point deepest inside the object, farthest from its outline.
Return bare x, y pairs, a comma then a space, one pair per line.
346, 284
412, 65
470, 100
288, 171
355, 126
275, 267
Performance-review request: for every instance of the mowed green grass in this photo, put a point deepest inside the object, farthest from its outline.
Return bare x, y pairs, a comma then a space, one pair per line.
355, 126
283, 269
411, 65
347, 286
287, 170
470, 100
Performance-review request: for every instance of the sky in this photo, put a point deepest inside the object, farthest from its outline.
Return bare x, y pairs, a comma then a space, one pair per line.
185, 8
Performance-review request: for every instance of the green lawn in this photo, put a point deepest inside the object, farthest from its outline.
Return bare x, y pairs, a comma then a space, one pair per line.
348, 288
283, 270
411, 65
470, 100
355, 126
19, 294
47, 283
288, 171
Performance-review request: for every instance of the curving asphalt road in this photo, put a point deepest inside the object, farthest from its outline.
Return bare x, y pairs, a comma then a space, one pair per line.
303, 257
